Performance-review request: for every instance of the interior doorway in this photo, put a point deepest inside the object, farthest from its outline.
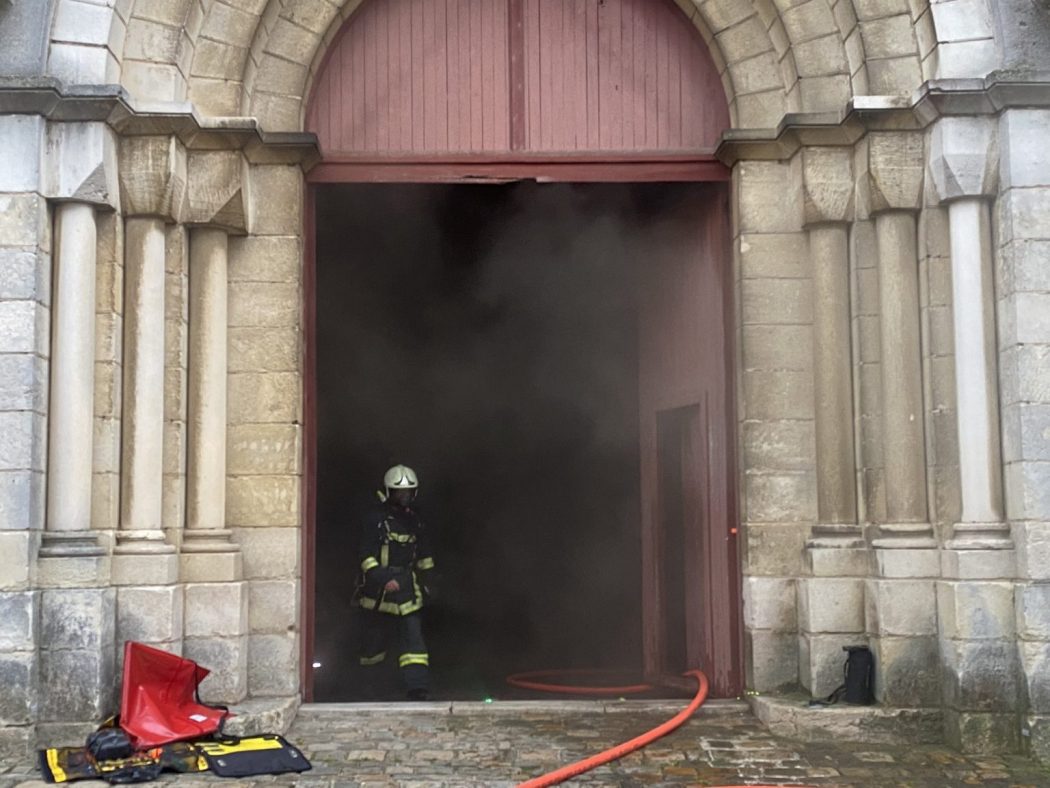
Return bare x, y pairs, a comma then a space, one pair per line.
487, 336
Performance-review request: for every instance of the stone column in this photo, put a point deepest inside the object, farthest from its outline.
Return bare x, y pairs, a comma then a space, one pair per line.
901, 603
77, 682
145, 565
831, 596
216, 626
976, 595
72, 385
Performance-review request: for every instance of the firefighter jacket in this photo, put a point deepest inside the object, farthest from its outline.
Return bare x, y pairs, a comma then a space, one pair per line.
395, 546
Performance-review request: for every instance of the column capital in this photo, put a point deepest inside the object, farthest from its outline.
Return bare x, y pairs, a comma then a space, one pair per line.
828, 184
895, 170
218, 194
153, 177
964, 157
81, 165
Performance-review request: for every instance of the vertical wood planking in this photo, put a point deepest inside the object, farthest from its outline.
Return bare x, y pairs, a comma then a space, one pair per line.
429, 77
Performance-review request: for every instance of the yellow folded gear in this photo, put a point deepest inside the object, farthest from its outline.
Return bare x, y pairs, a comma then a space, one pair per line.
252, 755
65, 764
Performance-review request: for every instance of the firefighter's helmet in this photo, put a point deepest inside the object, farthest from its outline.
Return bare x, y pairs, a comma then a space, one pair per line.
400, 477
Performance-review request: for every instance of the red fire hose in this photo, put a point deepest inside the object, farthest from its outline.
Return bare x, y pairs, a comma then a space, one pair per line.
620, 750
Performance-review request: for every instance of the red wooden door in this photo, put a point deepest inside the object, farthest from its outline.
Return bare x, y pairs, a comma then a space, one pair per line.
417, 80
688, 498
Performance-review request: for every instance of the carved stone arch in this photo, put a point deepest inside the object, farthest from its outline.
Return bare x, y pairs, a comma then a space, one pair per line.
754, 81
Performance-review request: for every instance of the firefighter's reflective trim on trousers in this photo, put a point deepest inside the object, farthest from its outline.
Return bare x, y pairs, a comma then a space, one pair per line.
425, 563
369, 563
411, 606
374, 660
413, 659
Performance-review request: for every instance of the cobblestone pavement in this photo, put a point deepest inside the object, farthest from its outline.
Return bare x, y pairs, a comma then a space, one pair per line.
424, 746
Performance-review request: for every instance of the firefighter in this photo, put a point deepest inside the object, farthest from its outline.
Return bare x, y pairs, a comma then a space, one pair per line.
395, 562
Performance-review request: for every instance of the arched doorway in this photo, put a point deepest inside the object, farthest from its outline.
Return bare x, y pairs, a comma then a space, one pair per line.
548, 92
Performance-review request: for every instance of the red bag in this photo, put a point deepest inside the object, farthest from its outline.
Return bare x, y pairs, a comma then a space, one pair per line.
159, 702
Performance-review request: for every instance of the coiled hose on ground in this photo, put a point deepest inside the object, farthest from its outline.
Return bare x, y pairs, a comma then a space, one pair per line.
613, 753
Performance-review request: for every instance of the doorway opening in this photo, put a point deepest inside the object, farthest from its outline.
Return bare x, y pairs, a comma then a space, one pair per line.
488, 336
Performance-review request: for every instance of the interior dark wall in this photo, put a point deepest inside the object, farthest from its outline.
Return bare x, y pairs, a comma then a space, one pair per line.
486, 336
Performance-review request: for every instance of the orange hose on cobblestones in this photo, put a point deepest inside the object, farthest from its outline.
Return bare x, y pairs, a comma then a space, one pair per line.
620, 750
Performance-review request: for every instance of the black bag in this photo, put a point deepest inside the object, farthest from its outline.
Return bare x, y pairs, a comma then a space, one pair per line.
109, 744
252, 755
858, 686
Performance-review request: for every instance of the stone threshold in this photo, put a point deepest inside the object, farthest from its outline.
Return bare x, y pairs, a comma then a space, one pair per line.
792, 717
521, 707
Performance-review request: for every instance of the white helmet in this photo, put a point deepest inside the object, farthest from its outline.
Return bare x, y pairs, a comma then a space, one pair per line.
400, 477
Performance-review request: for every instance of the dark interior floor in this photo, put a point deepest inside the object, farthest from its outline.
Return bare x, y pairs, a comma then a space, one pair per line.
486, 336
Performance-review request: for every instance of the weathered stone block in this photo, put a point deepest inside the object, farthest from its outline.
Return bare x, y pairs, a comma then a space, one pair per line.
827, 179
1028, 490
227, 659
982, 733
265, 304
901, 607
1021, 214
276, 200
782, 445
217, 192
264, 397
975, 610
264, 349
150, 614
269, 553
77, 685
24, 220
78, 618
18, 676
837, 561
21, 508
981, 676
273, 665
777, 347
831, 604
152, 176
895, 170
764, 204
216, 610
1033, 611
82, 163
24, 327
777, 301
773, 548
907, 562
780, 497
22, 440
978, 564
19, 620
907, 671
144, 569
964, 158
1035, 659
17, 554
263, 500
778, 394
273, 606
774, 256
20, 158
769, 603
273, 258
771, 659
1025, 158
263, 449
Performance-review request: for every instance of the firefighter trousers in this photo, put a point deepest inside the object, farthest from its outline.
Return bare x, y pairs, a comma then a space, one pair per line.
413, 659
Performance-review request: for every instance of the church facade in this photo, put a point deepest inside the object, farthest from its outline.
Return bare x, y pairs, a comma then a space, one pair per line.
887, 342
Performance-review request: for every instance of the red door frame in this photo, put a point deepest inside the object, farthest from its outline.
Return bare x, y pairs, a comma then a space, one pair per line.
640, 169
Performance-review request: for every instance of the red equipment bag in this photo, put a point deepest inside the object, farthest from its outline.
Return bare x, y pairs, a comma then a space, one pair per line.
159, 701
